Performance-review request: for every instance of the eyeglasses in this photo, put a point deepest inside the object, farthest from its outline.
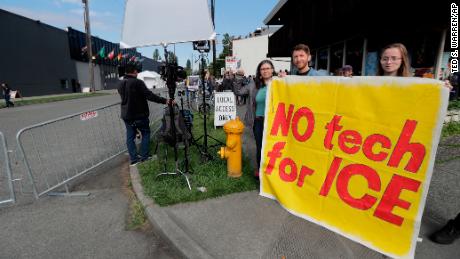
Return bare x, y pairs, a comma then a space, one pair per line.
392, 58
265, 68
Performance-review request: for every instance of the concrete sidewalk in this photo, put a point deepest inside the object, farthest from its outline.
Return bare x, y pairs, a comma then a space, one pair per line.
246, 225
93, 226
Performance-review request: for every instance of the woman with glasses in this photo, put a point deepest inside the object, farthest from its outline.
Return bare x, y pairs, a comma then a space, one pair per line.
394, 61
255, 111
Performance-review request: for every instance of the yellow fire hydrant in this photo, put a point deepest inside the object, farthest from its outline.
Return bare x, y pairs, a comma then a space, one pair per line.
232, 150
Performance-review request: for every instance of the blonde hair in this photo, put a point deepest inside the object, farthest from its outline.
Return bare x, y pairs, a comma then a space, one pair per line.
404, 69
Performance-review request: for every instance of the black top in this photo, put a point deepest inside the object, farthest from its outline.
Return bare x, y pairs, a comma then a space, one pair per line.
6, 91
303, 74
134, 95
227, 84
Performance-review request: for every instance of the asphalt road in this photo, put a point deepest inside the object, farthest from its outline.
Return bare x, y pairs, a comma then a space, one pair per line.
93, 226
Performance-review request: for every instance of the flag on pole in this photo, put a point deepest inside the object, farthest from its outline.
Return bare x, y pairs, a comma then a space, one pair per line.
111, 54
119, 57
132, 59
102, 52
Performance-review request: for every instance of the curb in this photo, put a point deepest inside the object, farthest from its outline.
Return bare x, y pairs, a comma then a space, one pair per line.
179, 241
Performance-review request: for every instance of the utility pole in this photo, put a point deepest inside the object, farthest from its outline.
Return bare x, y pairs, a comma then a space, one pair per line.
213, 42
88, 45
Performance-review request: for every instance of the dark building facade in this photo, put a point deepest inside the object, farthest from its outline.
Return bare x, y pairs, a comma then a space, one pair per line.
107, 66
38, 59
35, 56
353, 32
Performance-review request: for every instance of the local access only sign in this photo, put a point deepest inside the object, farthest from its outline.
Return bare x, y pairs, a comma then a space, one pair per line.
354, 155
224, 108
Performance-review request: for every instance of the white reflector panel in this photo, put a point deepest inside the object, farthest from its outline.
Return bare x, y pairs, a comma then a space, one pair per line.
156, 22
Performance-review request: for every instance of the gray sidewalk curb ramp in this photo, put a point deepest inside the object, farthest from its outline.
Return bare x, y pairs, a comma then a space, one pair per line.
182, 243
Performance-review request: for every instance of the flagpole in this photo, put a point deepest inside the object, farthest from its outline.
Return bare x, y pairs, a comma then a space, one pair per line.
88, 43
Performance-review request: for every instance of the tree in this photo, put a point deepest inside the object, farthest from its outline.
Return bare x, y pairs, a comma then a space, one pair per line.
205, 64
172, 58
156, 55
227, 51
188, 67
228, 45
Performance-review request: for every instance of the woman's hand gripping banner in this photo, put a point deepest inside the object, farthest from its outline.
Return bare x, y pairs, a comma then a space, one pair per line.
354, 155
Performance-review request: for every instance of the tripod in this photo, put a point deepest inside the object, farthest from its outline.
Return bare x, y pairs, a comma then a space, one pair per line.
205, 156
185, 138
170, 73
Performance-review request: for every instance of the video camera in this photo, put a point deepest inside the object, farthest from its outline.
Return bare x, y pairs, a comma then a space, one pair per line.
172, 72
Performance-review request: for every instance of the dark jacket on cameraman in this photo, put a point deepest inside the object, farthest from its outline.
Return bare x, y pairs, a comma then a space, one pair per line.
134, 95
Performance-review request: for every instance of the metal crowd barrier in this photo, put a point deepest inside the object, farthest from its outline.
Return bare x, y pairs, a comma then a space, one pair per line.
6, 184
58, 151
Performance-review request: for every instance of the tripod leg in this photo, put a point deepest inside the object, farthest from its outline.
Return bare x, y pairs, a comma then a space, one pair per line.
156, 147
218, 141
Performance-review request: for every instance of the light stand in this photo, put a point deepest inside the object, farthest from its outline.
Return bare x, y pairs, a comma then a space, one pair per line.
170, 74
205, 156
186, 142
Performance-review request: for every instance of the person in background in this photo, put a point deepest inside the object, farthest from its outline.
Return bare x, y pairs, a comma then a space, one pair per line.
255, 111
238, 83
227, 83
347, 71
448, 233
338, 72
282, 73
211, 83
452, 79
7, 95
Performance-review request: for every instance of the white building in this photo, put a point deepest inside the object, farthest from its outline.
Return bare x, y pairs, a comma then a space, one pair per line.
254, 49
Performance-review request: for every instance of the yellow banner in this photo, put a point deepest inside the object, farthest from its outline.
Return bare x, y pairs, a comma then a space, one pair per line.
354, 155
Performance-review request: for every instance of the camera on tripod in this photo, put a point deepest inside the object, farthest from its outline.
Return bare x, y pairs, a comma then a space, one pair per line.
172, 72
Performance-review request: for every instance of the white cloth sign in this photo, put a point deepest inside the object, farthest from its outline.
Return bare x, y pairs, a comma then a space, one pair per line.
232, 63
224, 108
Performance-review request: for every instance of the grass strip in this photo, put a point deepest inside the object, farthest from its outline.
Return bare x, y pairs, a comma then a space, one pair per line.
208, 179
19, 102
450, 129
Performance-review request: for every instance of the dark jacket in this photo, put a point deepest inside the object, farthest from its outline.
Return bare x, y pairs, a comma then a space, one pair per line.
238, 83
251, 90
6, 92
134, 95
227, 84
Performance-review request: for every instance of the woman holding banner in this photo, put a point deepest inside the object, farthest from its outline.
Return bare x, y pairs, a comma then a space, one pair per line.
394, 61
255, 111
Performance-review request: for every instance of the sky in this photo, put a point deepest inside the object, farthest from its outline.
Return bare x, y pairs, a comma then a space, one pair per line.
235, 17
